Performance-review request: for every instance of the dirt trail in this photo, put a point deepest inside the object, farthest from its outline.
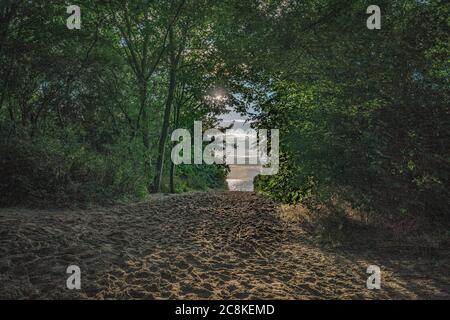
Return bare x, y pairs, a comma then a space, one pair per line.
202, 245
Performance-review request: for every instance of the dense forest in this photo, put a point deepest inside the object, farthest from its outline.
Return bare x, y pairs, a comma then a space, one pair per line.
86, 114
364, 115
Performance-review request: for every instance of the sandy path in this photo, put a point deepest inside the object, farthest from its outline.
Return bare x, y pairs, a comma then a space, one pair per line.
207, 246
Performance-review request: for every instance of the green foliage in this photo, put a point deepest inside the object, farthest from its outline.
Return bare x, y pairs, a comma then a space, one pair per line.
200, 178
363, 116
49, 172
81, 111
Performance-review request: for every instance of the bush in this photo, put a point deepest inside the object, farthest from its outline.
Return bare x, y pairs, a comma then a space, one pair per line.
47, 171
200, 177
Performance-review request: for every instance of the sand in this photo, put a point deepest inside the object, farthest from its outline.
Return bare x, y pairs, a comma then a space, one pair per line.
226, 245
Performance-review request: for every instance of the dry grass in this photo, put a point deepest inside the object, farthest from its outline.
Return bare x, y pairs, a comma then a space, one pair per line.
343, 225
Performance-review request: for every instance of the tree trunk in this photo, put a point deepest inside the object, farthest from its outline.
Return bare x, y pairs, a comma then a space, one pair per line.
172, 177
144, 130
144, 127
168, 107
172, 165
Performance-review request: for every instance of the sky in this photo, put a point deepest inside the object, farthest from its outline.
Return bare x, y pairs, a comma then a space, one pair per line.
240, 177
241, 129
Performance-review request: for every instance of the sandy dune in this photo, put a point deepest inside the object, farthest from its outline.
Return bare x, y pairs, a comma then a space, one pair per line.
207, 246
